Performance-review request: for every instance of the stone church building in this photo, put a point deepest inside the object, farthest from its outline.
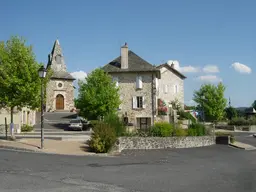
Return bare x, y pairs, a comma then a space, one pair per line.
60, 88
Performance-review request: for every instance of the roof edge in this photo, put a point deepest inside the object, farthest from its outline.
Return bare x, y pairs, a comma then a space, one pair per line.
172, 69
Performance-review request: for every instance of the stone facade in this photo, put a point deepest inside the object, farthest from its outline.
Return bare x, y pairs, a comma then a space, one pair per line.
20, 117
162, 142
60, 89
170, 86
127, 91
53, 89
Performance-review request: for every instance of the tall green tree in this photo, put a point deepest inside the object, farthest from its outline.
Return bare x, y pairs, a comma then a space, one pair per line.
19, 80
211, 100
231, 112
98, 95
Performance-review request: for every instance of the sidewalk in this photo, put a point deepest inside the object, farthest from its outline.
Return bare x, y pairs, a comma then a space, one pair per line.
242, 146
50, 146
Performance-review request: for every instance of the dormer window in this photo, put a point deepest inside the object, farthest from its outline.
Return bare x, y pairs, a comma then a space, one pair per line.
138, 82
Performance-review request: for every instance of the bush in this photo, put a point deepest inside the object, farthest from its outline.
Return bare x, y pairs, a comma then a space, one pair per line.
26, 128
162, 129
196, 129
179, 132
103, 138
114, 121
232, 137
186, 115
239, 121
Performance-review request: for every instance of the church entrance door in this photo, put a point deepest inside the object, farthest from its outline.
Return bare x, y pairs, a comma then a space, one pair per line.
59, 102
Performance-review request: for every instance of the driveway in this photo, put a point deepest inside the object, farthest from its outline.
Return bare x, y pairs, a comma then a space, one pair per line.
55, 121
215, 168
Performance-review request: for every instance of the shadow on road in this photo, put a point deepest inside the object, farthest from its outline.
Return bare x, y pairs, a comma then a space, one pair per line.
73, 116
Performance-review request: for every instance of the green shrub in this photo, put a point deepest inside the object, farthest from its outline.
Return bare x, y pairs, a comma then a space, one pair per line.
239, 121
179, 132
196, 129
186, 115
162, 129
114, 121
232, 137
103, 138
26, 128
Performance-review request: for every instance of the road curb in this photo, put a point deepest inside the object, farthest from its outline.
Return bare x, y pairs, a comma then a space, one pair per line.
244, 148
19, 149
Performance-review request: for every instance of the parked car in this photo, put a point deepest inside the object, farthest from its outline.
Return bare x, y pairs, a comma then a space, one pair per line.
79, 124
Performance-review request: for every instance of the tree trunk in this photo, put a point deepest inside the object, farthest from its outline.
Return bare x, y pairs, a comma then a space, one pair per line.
12, 125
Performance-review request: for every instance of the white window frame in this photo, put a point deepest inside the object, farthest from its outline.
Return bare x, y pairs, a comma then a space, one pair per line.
176, 89
116, 80
165, 88
136, 102
139, 82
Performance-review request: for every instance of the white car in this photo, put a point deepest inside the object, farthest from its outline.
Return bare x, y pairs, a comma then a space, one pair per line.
79, 124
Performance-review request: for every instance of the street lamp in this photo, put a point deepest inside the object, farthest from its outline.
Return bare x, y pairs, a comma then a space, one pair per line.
203, 115
42, 74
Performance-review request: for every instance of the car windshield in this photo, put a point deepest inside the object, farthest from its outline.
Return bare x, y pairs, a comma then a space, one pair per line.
75, 121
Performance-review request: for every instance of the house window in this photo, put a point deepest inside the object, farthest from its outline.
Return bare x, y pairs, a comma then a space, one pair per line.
115, 79
165, 88
138, 82
139, 102
176, 89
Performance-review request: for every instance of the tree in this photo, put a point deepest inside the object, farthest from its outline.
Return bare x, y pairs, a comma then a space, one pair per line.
98, 95
19, 80
231, 112
211, 100
254, 104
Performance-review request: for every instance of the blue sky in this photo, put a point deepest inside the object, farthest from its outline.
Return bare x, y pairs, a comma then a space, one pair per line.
194, 34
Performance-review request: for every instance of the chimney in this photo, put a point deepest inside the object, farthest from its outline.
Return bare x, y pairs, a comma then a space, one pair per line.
172, 65
124, 56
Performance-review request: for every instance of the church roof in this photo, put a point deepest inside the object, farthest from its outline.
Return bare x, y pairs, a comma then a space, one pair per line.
62, 75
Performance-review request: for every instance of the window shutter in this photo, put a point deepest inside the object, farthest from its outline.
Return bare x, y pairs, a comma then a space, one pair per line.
138, 82
156, 80
120, 106
174, 89
143, 103
165, 88
115, 79
177, 88
134, 102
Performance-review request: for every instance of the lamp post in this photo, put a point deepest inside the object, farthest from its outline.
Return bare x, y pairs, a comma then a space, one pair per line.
42, 74
203, 116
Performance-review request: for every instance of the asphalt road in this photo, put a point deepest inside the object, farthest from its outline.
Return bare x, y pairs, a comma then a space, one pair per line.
245, 137
216, 168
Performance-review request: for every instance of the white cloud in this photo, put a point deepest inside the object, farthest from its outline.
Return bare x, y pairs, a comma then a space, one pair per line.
79, 75
185, 69
241, 68
211, 69
209, 78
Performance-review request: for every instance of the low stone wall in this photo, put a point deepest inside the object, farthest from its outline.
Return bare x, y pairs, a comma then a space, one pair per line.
162, 142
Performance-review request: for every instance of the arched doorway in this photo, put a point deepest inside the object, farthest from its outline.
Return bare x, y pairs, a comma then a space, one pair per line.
59, 102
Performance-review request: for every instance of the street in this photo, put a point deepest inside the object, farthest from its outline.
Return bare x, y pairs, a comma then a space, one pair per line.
215, 168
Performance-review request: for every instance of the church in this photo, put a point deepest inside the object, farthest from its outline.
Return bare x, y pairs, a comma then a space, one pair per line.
60, 88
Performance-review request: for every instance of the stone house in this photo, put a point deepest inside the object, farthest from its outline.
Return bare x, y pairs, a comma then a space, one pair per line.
136, 79
171, 85
60, 88
20, 117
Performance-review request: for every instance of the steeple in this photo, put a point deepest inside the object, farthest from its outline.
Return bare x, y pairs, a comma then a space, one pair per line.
55, 59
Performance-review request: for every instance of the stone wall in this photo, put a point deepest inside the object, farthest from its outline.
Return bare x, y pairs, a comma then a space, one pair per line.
162, 142
170, 79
